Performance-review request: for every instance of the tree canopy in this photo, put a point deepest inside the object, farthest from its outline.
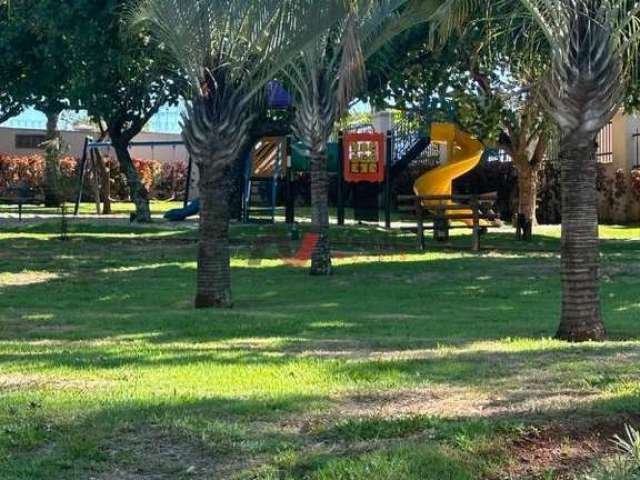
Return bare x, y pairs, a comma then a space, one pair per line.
125, 75
39, 44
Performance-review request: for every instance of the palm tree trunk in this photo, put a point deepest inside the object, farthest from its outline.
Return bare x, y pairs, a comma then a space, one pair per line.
52, 194
214, 270
321, 255
581, 317
137, 190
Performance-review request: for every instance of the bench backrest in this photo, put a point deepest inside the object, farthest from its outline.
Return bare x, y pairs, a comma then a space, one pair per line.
18, 192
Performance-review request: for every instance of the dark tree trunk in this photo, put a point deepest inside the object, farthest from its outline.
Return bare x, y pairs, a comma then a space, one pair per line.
214, 270
527, 193
321, 255
52, 193
137, 190
581, 317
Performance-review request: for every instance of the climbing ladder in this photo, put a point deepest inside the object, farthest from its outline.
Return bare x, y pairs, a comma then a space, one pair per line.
262, 174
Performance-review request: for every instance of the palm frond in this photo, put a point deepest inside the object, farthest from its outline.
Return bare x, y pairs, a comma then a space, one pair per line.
248, 41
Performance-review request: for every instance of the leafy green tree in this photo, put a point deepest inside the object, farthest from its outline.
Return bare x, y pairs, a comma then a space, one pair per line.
124, 85
491, 82
10, 70
9, 107
228, 49
35, 41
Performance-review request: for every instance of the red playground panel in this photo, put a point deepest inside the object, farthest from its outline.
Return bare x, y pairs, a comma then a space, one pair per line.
364, 157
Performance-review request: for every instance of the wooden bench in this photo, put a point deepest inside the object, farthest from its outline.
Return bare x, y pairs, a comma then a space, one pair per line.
20, 196
441, 210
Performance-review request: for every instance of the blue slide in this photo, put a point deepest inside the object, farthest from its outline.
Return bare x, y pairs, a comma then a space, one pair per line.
180, 214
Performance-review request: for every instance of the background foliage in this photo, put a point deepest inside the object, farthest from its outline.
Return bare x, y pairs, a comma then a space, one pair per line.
163, 180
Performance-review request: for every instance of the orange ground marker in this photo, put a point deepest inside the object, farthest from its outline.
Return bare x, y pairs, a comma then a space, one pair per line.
309, 242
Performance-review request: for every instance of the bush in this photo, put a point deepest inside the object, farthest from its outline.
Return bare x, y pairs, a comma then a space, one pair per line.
164, 181
148, 170
171, 181
28, 171
618, 194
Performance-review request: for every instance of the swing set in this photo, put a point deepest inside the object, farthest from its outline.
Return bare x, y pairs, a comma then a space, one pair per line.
90, 159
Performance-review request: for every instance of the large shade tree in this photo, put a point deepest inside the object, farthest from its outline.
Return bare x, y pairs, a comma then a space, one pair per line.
593, 46
327, 75
488, 83
10, 69
35, 41
124, 86
228, 50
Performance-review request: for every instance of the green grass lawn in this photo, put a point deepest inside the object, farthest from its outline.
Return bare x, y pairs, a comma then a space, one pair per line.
402, 365
88, 208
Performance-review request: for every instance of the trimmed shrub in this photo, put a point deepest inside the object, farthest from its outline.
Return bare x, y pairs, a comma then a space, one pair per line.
164, 181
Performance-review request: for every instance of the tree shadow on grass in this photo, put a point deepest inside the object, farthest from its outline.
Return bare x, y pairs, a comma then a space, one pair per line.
461, 297
167, 439
439, 300
222, 437
495, 377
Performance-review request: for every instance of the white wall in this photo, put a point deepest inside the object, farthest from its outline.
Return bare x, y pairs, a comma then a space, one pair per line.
382, 121
624, 144
75, 143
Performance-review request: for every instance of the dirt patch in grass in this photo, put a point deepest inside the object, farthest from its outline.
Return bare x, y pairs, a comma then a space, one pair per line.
330, 348
436, 401
151, 454
564, 448
15, 382
11, 329
26, 278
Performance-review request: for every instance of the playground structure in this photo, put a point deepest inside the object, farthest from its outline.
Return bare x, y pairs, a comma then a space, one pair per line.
264, 169
368, 161
362, 160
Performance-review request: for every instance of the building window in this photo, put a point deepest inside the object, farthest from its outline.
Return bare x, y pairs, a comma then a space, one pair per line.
30, 142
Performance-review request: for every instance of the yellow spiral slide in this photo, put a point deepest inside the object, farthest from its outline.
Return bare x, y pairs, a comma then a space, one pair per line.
463, 154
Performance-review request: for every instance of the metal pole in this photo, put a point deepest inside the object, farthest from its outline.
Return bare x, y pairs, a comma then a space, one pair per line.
290, 216
187, 189
475, 206
340, 179
83, 161
274, 182
387, 180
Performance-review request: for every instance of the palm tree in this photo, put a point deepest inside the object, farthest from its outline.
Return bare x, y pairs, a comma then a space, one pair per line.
326, 77
590, 39
593, 47
228, 49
